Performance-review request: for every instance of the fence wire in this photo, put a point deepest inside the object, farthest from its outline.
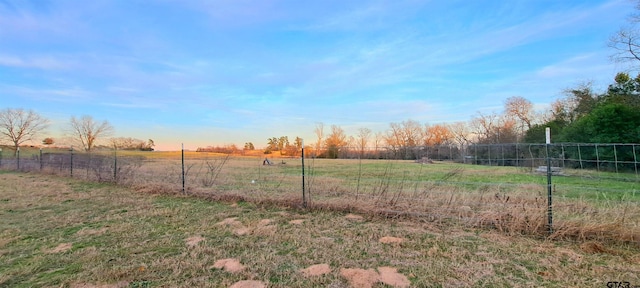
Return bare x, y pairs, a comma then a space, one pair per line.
501, 186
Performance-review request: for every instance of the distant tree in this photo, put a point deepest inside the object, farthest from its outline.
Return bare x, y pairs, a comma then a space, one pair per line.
87, 131
494, 128
48, 141
363, 139
283, 142
298, 142
438, 135
521, 110
609, 123
249, 146
272, 145
335, 142
150, 145
128, 143
319, 131
19, 126
625, 90
460, 133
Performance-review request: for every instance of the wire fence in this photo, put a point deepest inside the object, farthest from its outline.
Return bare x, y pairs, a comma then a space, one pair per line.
595, 187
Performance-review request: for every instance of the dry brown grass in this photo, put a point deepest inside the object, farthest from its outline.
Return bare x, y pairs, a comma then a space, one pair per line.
120, 236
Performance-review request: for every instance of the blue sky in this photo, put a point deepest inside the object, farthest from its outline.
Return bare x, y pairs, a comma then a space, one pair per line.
234, 71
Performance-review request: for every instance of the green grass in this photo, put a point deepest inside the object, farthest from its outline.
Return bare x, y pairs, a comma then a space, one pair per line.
121, 236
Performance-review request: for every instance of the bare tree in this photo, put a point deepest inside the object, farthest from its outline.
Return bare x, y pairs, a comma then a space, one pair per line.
19, 126
461, 133
363, 138
87, 131
521, 111
626, 41
319, 130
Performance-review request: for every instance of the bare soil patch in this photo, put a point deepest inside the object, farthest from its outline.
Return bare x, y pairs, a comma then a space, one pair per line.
316, 270
230, 265
360, 278
391, 240
193, 241
296, 221
390, 276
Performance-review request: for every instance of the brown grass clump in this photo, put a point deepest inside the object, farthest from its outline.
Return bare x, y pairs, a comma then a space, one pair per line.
595, 247
89, 232
248, 284
230, 265
193, 241
61, 248
265, 228
296, 221
316, 270
354, 217
122, 284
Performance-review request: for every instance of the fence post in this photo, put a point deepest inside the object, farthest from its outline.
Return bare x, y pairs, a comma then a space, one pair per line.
71, 162
115, 164
182, 168
40, 159
304, 196
18, 158
549, 199
1, 157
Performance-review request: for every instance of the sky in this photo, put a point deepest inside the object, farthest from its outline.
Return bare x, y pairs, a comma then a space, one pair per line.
222, 72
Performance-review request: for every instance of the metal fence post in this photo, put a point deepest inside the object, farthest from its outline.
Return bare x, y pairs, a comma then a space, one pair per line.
1, 157
115, 164
549, 198
40, 159
183, 192
18, 158
71, 162
304, 197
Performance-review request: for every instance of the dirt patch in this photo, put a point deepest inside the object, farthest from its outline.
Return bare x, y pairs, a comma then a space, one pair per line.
316, 270
296, 221
390, 276
265, 228
89, 232
391, 240
264, 222
248, 284
360, 278
354, 217
193, 241
238, 228
61, 248
230, 265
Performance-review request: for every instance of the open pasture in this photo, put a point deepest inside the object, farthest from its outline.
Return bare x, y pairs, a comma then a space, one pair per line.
61, 232
587, 204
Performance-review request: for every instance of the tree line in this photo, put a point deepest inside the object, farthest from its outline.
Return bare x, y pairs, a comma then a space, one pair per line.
581, 116
19, 126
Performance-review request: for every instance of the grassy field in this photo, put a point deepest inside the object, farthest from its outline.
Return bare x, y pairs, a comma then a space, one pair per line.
61, 232
588, 205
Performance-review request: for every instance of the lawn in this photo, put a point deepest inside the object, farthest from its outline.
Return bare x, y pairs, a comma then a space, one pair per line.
61, 232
